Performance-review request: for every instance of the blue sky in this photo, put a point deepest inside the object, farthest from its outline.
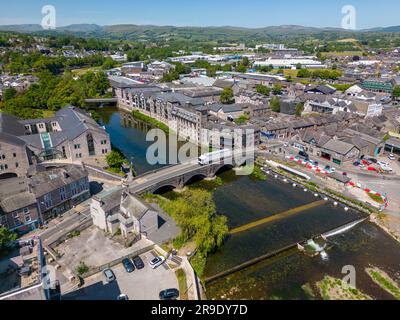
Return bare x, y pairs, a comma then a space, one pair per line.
246, 13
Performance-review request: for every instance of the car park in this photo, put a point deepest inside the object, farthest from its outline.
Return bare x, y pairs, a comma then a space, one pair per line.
128, 265
372, 160
391, 157
122, 297
357, 163
138, 262
169, 294
156, 262
109, 275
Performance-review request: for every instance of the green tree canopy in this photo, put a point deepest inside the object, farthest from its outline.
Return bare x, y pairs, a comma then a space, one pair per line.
6, 237
275, 104
227, 96
396, 92
263, 89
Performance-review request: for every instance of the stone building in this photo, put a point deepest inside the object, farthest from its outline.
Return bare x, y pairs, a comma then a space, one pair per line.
15, 158
118, 209
71, 135
27, 202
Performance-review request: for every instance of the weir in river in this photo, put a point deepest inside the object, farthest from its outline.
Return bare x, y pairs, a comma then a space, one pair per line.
292, 248
277, 217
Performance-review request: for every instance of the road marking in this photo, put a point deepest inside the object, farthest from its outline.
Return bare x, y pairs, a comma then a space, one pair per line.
276, 217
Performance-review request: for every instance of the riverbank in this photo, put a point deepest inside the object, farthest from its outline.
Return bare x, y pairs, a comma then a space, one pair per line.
140, 116
374, 214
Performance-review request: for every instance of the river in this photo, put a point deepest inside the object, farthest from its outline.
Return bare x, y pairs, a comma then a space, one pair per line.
244, 200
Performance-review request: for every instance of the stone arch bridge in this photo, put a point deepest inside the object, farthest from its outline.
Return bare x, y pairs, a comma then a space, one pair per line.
178, 176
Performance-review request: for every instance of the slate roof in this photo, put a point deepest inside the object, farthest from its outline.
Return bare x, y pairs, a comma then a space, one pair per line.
110, 199
15, 195
45, 182
11, 125
226, 108
135, 207
338, 146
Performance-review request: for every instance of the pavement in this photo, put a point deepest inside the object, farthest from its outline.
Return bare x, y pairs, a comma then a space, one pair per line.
94, 249
144, 284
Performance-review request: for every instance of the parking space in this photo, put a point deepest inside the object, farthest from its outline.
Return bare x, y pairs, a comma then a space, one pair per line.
144, 284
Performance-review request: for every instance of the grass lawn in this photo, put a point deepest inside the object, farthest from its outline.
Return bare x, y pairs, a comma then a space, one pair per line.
342, 54
79, 72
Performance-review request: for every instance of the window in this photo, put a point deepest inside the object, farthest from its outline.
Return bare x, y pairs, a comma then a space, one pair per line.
74, 189
63, 194
78, 155
16, 164
103, 142
47, 200
14, 155
27, 215
77, 146
82, 184
17, 222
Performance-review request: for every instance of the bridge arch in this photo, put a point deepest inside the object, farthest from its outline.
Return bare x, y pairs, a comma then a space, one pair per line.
195, 178
223, 168
164, 188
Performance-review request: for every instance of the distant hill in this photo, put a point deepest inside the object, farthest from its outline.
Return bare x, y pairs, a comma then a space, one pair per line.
229, 33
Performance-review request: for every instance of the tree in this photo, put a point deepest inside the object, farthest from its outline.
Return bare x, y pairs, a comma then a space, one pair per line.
9, 93
241, 68
263, 89
227, 96
299, 109
6, 237
115, 159
304, 73
109, 63
246, 62
277, 89
396, 92
275, 104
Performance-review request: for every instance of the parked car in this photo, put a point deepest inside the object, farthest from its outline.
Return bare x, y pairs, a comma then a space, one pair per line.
383, 164
372, 160
313, 163
329, 169
122, 297
357, 163
156, 262
344, 173
138, 262
366, 162
387, 169
391, 157
169, 294
128, 265
109, 274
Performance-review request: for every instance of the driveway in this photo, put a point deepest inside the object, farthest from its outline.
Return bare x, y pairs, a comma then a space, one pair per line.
144, 284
